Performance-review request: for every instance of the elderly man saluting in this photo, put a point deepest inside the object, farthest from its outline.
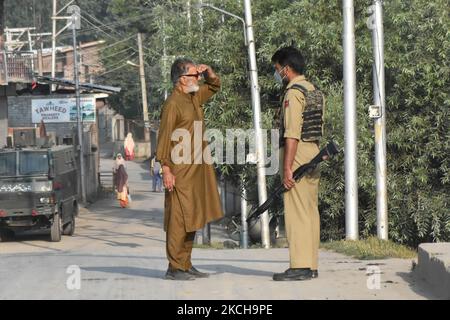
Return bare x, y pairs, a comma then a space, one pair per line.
191, 199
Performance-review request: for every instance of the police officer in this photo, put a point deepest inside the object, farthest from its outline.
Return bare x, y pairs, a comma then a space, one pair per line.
301, 128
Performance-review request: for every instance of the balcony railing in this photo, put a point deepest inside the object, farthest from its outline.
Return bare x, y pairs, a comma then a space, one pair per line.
16, 67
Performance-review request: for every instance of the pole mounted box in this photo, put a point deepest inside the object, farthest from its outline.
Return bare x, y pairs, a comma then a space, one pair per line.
374, 111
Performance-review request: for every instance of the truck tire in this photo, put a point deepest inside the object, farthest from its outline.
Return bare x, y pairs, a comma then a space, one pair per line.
69, 227
55, 230
6, 235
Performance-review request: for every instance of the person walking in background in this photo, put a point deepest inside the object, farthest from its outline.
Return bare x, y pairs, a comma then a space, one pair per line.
120, 178
128, 146
156, 173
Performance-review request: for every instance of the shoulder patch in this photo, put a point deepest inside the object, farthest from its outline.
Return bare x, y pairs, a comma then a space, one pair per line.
286, 103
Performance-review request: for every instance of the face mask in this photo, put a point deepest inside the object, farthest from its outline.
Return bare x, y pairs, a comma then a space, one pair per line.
278, 78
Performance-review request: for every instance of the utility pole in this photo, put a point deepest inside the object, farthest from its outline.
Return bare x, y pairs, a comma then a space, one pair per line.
164, 56
143, 89
55, 34
380, 118
75, 24
244, 224
39, 57
200, 16
256, 104
53, 87
188, 5
351, 172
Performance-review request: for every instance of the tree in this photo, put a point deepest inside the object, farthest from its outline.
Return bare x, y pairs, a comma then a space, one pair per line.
417, 81
416, 86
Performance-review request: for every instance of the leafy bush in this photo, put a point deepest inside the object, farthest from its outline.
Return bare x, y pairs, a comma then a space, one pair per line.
417, 105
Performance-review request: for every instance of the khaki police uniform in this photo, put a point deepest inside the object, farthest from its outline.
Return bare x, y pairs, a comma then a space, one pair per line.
301, 202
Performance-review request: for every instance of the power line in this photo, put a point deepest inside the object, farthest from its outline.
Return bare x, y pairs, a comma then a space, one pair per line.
116, 53
112, 70
108, 46
111, 65
120, 22
112, 29
102, 24
96, 27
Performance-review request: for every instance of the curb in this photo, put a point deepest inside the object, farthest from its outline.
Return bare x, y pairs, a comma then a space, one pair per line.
434, 267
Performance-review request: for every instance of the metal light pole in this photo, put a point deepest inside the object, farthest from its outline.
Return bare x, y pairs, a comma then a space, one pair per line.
244, 213
256, 106
53, 43
260, 152
380, 121
351, 173
143, 89
165, 55
75, 11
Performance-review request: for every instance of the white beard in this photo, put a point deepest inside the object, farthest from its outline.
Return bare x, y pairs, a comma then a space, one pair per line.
193, 88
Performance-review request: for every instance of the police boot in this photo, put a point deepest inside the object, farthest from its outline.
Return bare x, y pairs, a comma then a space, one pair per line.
292, 274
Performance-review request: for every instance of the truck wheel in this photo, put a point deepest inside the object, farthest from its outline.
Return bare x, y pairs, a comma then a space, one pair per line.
6, 235
69, 228
55, 230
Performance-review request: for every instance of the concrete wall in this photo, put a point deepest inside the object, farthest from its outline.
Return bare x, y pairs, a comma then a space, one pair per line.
434, 267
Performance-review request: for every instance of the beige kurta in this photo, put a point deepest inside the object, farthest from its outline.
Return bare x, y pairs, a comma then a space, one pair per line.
195, 196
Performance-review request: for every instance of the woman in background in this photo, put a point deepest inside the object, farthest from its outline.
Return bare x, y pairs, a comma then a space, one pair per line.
128, 146
121, 181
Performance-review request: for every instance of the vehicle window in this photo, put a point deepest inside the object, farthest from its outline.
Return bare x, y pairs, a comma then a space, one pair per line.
33, 163
8, 164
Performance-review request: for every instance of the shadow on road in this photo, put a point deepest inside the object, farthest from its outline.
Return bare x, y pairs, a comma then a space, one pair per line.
214, 269
417, 285
129, 271
226, 268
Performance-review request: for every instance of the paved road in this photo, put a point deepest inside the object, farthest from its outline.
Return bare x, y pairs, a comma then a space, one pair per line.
120, 255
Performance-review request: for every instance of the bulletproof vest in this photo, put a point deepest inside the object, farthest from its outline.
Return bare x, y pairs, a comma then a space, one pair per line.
312, 128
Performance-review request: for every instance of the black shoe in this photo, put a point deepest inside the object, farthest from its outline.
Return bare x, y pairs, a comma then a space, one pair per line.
293, 275
193, 271
178, 275
314, 274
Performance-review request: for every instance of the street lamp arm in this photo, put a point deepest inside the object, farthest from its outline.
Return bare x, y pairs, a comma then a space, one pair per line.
207, 5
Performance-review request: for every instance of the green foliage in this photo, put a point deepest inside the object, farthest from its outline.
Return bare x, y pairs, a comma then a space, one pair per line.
417, 96
370, 249
417, 77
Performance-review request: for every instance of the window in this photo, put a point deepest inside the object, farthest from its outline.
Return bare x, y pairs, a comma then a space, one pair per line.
33, 163
8, 164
